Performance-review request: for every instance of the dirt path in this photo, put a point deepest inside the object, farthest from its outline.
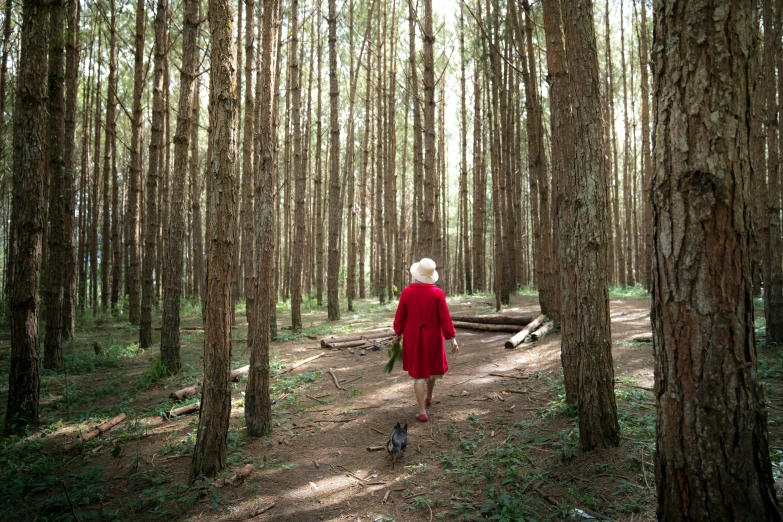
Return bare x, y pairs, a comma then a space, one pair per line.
318, 467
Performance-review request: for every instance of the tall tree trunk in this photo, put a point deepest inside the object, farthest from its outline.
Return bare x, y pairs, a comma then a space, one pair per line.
148, 295
95, 193
195, 197
109, 203
299, 173
24, 380
463, 183
615, 184
428, 209
84, 191
335, 206
644, 62
773, 276
479, 187
758, 145
627, 230
258, 407
712, 459
319, 234
54, 274
134, 307
69, 267
583, 239
209, 454
175, 248
248, 168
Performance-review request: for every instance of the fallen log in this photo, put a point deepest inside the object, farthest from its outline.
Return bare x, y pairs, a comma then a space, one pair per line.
486, 327
239, 373
326, 343
179, 412
98, 430
642, 337
541, 332
517, 339
184, 393
518, 320
345, 344
300, 363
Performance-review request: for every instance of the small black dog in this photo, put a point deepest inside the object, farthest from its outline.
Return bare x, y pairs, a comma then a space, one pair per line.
398, 440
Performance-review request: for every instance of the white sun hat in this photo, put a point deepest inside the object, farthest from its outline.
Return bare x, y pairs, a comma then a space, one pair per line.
424, 271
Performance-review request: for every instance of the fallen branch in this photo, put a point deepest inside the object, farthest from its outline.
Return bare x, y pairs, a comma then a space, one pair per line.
642, 337
103, 428
68, 498
334, 378
517, 339
184, 393
486, 327
239, 373
259, 511
516, 320
179, 412
541, 332
376, 448
300, 363
329, 342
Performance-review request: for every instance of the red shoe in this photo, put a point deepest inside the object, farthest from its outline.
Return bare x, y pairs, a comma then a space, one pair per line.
428, 402
422, 417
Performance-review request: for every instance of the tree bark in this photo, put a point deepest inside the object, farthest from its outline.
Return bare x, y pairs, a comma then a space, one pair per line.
29, 164
248, 159
712, 459
428, 210
335, 206
53, 289
148, 295
644, 60
583, 239
299, 173
175, 248
134, 307
209, 455
258, 406
773, 273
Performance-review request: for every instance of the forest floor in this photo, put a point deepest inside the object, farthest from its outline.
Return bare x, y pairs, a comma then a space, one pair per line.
500, 442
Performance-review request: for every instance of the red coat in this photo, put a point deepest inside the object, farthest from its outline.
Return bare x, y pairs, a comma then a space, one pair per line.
424, 321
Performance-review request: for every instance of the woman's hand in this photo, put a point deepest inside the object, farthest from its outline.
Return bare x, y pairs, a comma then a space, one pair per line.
397, 339
454, 345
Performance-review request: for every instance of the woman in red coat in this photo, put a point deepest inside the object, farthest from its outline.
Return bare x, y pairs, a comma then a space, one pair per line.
423, 321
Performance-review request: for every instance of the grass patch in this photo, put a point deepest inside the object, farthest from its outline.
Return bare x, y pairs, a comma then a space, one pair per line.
620, 292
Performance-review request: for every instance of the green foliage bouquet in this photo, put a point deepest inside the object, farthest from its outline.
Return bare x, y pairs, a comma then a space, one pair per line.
395, 354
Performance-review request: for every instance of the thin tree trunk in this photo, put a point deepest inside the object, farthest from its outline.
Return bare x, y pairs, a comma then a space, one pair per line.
712, 456
53, 289
614, 191
149, 295
109, 212
335, 208
773, 280
299, 174
95, 193
248, 159
428, 209
134, 310
175, 248
644, 62
627, 230
258, 407
195, 198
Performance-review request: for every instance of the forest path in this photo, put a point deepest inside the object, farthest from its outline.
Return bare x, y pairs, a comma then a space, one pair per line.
318, 467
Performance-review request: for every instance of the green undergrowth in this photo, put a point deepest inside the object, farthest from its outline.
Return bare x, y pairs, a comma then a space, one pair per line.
501, 471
